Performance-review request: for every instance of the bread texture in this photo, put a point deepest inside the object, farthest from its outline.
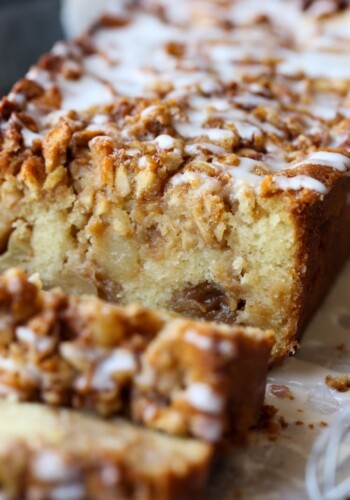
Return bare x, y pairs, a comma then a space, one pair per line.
53, 453
169, 373
193, 159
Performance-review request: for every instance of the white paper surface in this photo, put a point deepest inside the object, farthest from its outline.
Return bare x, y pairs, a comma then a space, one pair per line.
268, 470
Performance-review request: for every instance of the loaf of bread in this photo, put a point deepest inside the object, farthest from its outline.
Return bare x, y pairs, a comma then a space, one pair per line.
191, 156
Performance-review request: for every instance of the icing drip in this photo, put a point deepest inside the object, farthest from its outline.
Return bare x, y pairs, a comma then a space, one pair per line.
337, 161
202, 397
300, 182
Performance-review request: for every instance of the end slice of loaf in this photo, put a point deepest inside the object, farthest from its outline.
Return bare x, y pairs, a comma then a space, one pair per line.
175, 374
62, 454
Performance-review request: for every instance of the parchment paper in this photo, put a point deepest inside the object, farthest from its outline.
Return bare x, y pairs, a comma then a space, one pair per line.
271, 470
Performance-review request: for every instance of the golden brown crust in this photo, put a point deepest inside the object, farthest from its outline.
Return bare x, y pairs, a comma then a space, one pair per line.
324, 246
169, 373
52, 453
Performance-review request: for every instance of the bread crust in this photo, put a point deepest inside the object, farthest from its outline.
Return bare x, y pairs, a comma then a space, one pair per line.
324, 235
323, 246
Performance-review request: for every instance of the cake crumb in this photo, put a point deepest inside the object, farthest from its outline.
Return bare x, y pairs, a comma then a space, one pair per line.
340, 383
267, 420
341, 347
270, 422
299, 422
281, 391
311, 426
283, 422
323, 424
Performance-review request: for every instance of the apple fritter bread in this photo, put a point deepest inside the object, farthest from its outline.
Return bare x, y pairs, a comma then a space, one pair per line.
57, 454
192, 156
173, 374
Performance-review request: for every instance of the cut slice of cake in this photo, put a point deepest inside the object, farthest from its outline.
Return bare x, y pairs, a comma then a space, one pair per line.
194, 159
61, 454
174, 374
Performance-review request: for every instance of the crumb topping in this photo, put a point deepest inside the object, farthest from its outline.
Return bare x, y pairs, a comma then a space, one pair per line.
213, 100
154, 367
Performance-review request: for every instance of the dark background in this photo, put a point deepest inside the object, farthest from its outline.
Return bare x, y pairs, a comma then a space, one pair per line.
27, 29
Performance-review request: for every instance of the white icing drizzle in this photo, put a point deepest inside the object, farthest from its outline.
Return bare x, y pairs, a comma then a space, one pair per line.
83, 93
135, 60
206, 344
149, 413
110, 475
73, 491
119, 361
144, 162
17, 98
246, 130
226, 347
242, 172
204, 398
197, 148
215, 134
337, 161
200, 341
52, 119
40, 76
26, 335
300, 182
30, 137
165, 141
8, 365
201, 183
208, 428
100, 119
49, 466
317, 65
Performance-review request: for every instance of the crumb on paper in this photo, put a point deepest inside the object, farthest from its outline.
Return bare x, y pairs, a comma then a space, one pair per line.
283, 422
270, 423
295, 347
323, 424
340, 383
300, 410
311, 426
341, 347
299, 422
267, 420
281, 391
